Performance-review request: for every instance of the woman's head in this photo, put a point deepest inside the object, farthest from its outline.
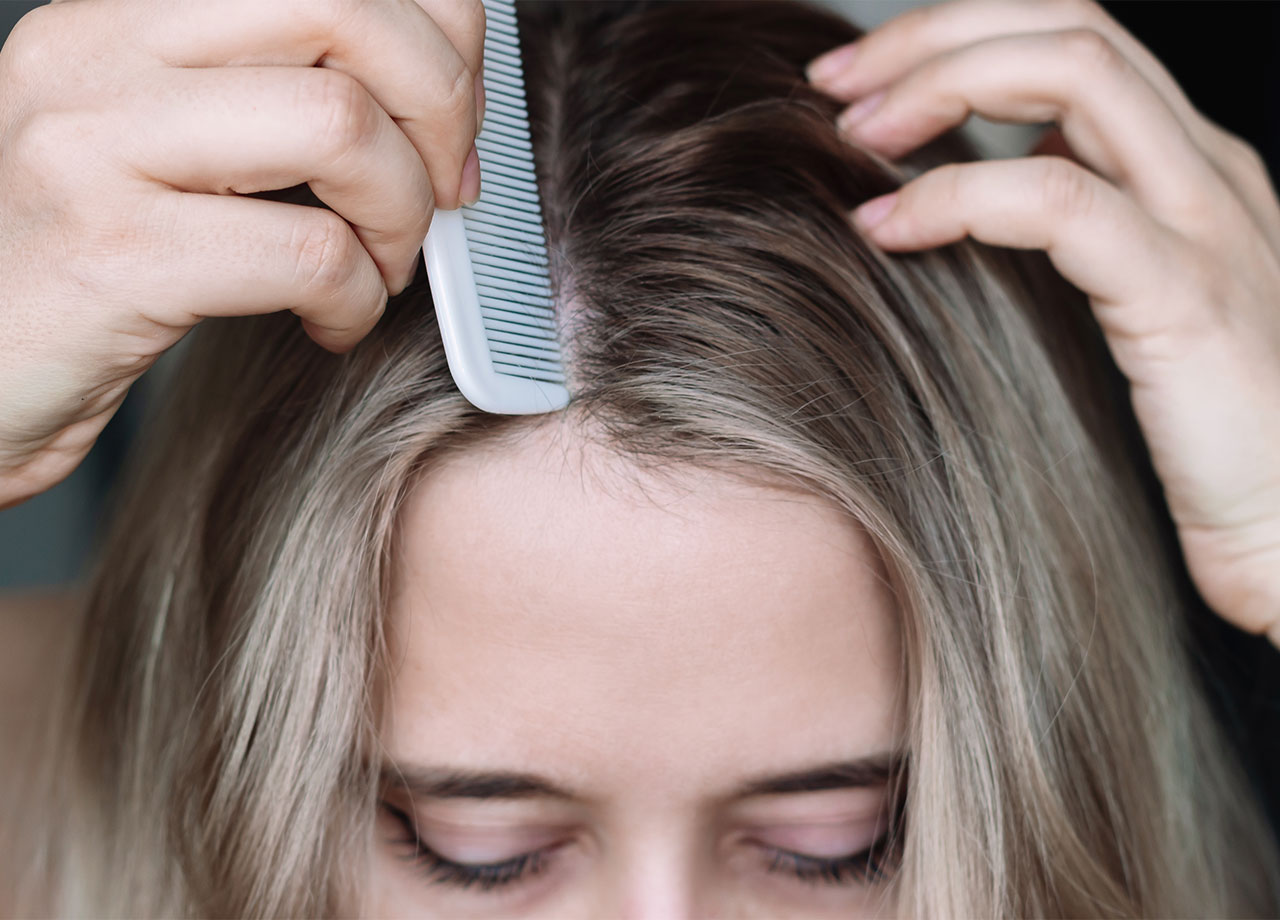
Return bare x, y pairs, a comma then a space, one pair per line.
653, 682
309, 582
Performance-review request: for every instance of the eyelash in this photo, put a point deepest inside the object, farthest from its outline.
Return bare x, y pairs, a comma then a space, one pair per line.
874, 864
486, 877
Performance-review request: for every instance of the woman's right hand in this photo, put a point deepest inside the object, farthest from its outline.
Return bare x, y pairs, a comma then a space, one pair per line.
130, 132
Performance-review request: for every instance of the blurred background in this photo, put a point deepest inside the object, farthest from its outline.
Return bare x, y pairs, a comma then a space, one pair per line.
1224, 53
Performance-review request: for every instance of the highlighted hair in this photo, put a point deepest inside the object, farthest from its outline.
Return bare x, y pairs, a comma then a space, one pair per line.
719, 310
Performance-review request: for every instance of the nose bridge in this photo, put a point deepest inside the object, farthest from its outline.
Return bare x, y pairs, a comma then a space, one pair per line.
658, 870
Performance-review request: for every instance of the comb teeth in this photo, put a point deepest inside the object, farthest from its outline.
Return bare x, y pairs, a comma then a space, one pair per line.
487, 262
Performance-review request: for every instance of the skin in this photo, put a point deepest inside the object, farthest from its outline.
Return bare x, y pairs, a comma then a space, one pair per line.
1169, 223
125, 211
124, 183
654, 645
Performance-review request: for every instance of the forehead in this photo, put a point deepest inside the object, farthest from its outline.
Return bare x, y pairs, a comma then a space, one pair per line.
557, 609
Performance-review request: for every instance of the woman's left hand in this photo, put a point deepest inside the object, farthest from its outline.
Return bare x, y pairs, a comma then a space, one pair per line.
1167, 222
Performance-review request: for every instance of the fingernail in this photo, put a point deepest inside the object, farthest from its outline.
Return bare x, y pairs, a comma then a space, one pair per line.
859, 111
872, 212
831, 64
470, 190
480, 100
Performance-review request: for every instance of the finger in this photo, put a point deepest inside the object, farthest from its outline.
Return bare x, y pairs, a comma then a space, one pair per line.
1094, 233
463, 23
1243, 167
904, 42
235, 256
399, 52
1112, 117
248, 129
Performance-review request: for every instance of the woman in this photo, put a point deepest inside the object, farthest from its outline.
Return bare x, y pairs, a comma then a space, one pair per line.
832, 594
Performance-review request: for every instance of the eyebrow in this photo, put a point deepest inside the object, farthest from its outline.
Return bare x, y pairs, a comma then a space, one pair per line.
876, 770
450, 783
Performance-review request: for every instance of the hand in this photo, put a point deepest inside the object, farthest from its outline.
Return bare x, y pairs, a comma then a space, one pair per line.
126, 130
1167, 222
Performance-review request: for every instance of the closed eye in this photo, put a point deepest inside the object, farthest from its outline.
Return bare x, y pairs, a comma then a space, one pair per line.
444, 871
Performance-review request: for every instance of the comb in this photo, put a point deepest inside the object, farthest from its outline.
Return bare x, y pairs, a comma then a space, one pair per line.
487, 263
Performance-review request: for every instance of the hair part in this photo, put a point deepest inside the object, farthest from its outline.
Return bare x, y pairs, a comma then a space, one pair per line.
718, 310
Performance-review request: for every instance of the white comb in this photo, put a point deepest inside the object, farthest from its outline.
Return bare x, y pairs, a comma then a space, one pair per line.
487, 263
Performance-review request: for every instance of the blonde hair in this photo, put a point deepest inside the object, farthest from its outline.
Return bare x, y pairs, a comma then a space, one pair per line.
221, 738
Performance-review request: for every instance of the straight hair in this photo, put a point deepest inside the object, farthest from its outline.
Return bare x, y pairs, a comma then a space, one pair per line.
217, 748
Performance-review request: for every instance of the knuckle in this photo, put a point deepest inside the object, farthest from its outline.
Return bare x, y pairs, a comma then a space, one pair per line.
357, 318
346, 113
1065, 188
1241, 152
915, 26
473, 12
457, 98
32, 47
354, 320
326, 17
1090, 50
913, 20
325, 253
38, 142
473, 16
1087, 12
